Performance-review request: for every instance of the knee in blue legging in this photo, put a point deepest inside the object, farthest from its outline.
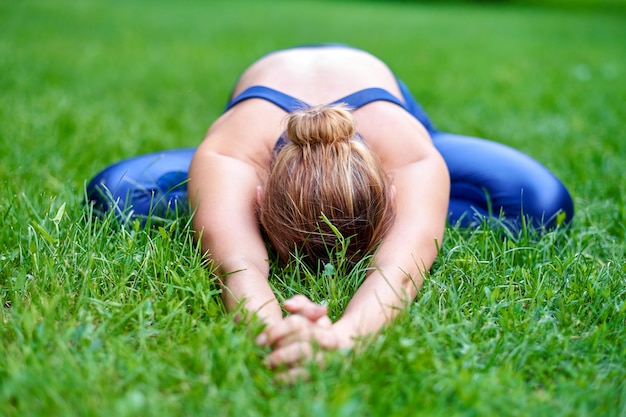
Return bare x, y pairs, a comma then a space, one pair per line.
491, 180
152, 185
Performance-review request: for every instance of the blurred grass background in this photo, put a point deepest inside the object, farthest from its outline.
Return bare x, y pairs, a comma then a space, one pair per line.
85, 83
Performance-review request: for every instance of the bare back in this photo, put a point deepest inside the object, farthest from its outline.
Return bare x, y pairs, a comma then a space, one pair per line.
319, 75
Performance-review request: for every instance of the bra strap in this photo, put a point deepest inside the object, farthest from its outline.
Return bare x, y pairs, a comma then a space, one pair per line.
369, 95
282, 100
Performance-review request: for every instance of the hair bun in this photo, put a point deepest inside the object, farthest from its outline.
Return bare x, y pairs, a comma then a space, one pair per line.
321, 124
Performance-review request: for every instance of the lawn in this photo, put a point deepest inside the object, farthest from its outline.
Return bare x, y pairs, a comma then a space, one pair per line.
101, 321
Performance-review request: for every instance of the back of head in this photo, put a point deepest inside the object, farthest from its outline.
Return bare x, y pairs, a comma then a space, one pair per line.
326, 171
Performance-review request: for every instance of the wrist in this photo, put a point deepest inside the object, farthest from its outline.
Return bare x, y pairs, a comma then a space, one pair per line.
345, 333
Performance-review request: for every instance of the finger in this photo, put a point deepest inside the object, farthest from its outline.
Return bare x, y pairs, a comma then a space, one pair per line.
324, 321
293, 375
293, 324
304, 335
320, 335
289, 355
299, 304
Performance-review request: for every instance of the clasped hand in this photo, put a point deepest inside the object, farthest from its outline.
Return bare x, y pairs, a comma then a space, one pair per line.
294, 339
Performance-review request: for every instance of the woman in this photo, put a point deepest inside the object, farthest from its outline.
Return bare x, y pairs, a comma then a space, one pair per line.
326, 135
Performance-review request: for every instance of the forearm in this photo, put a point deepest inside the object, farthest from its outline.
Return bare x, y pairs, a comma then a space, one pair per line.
406, 253
376, 303
222, 189
249, 290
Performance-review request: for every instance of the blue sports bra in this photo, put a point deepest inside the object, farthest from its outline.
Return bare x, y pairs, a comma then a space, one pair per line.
291, 104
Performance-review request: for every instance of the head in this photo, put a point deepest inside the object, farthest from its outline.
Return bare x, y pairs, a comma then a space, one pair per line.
325, 171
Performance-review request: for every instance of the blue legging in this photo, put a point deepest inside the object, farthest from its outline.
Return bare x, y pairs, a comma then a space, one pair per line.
489, 182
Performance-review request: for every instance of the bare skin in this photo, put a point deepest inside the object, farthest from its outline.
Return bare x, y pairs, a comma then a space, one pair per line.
231, 164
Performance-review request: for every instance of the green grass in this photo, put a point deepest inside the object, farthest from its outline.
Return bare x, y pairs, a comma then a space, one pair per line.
98, 321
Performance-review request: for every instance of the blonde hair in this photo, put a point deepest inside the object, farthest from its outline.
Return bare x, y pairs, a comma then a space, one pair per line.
326, 171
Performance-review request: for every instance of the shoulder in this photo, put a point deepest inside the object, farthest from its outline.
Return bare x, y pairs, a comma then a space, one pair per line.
247, 132
393, 134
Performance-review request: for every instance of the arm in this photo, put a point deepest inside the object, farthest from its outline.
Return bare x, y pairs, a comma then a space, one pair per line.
407, 252
222, 189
